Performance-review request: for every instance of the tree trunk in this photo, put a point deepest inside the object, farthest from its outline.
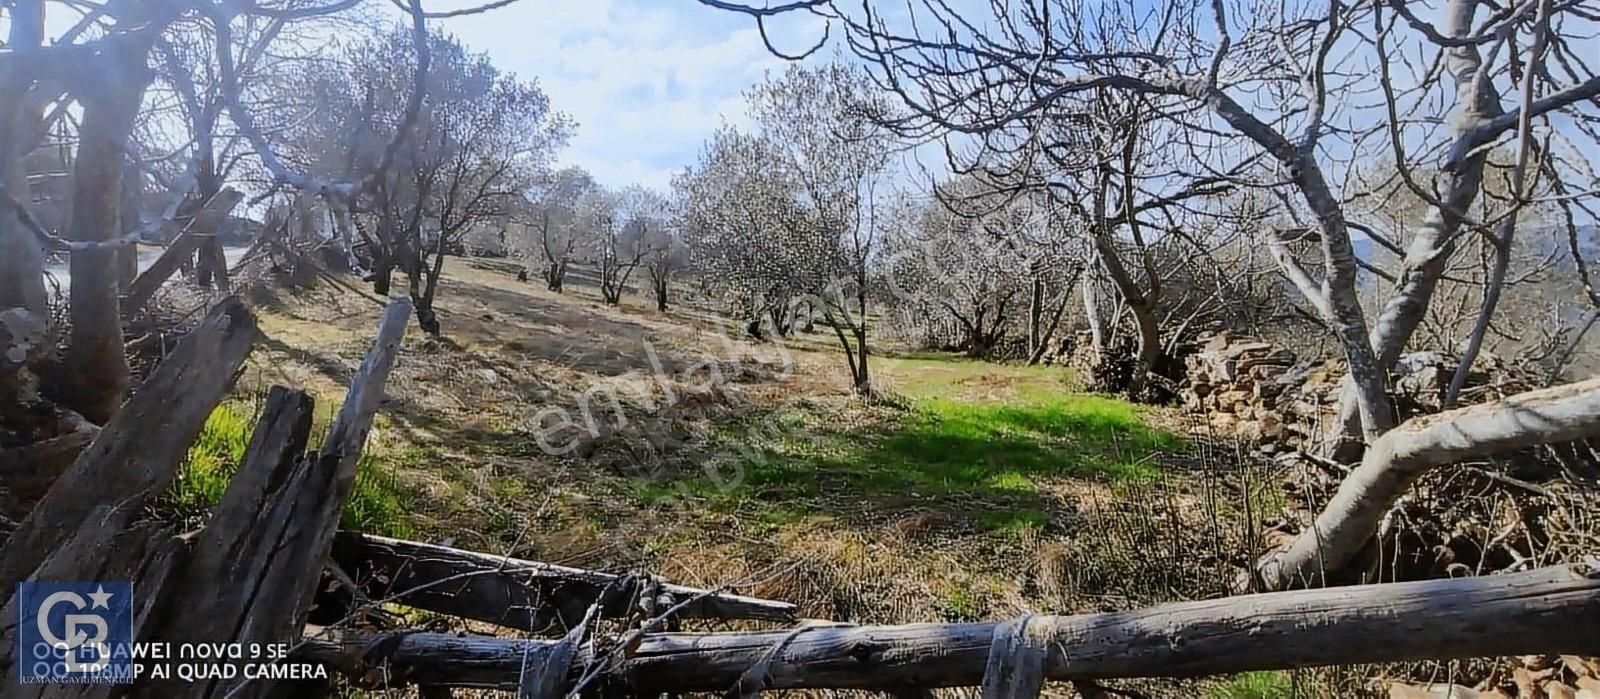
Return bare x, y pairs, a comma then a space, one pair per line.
1091, 309
1035, 314
863, 377
135, 456
97, 366
427, 319
22, 265
128, 222
661, 291
1150, 351
382, 274
554, 274
1433, 245
1546, 611
1403, 454
1050, 331
1337, 291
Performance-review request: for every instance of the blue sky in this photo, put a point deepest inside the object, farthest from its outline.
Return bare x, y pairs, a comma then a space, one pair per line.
648, 81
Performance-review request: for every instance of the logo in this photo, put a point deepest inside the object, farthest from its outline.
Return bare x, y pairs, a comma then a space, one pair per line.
74, 632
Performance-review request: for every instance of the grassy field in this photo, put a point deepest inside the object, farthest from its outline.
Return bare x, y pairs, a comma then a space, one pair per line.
965, 438
972, 490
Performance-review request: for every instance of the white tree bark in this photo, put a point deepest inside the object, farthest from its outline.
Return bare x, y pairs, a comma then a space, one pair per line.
1433, 244
1400, 456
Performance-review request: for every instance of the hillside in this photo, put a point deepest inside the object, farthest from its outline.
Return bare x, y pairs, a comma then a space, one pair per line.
976, 491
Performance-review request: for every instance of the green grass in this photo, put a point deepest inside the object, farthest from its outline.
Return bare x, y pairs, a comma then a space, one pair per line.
985, 457
1254, 685
378, 504
932, 374
213, 457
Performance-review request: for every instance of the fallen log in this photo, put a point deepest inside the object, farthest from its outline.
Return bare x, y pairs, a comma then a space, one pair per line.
1403, 454
516, 593
1545, 611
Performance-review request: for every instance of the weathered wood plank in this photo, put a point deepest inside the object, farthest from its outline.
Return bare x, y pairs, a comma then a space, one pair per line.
231, 560
106, 547
1546, 611
204, 225
513, 592
137, 453
297, 525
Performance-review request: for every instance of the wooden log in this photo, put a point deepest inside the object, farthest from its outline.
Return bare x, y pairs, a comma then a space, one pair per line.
105, 547
233, 559
137, 454
294, 531
512, 592
204, 225
1547, 611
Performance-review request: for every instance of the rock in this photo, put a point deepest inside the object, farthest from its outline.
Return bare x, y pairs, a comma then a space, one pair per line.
1248, 430
1582, 667
1401, 690
1271, 426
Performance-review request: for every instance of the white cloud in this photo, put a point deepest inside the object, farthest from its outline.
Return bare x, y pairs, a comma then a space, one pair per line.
647, 82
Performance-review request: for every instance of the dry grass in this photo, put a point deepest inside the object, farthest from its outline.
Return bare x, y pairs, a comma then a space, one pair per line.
981, 491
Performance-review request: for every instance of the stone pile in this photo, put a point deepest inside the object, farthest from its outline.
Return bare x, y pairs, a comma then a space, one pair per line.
1265, 395
1260, 393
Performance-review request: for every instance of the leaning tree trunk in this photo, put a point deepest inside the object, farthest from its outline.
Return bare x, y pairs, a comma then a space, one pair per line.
1142, 304
1398, 458
1430, 250
427, 319
22, 264
863, 377
96, 364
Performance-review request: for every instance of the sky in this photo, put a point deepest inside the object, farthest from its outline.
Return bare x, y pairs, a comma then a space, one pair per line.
647, 81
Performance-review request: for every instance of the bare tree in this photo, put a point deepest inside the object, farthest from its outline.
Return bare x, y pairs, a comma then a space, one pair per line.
624, 236
996, 266
478, 140
1270, 101
827, 122
750, 239
552, 234
667, 254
